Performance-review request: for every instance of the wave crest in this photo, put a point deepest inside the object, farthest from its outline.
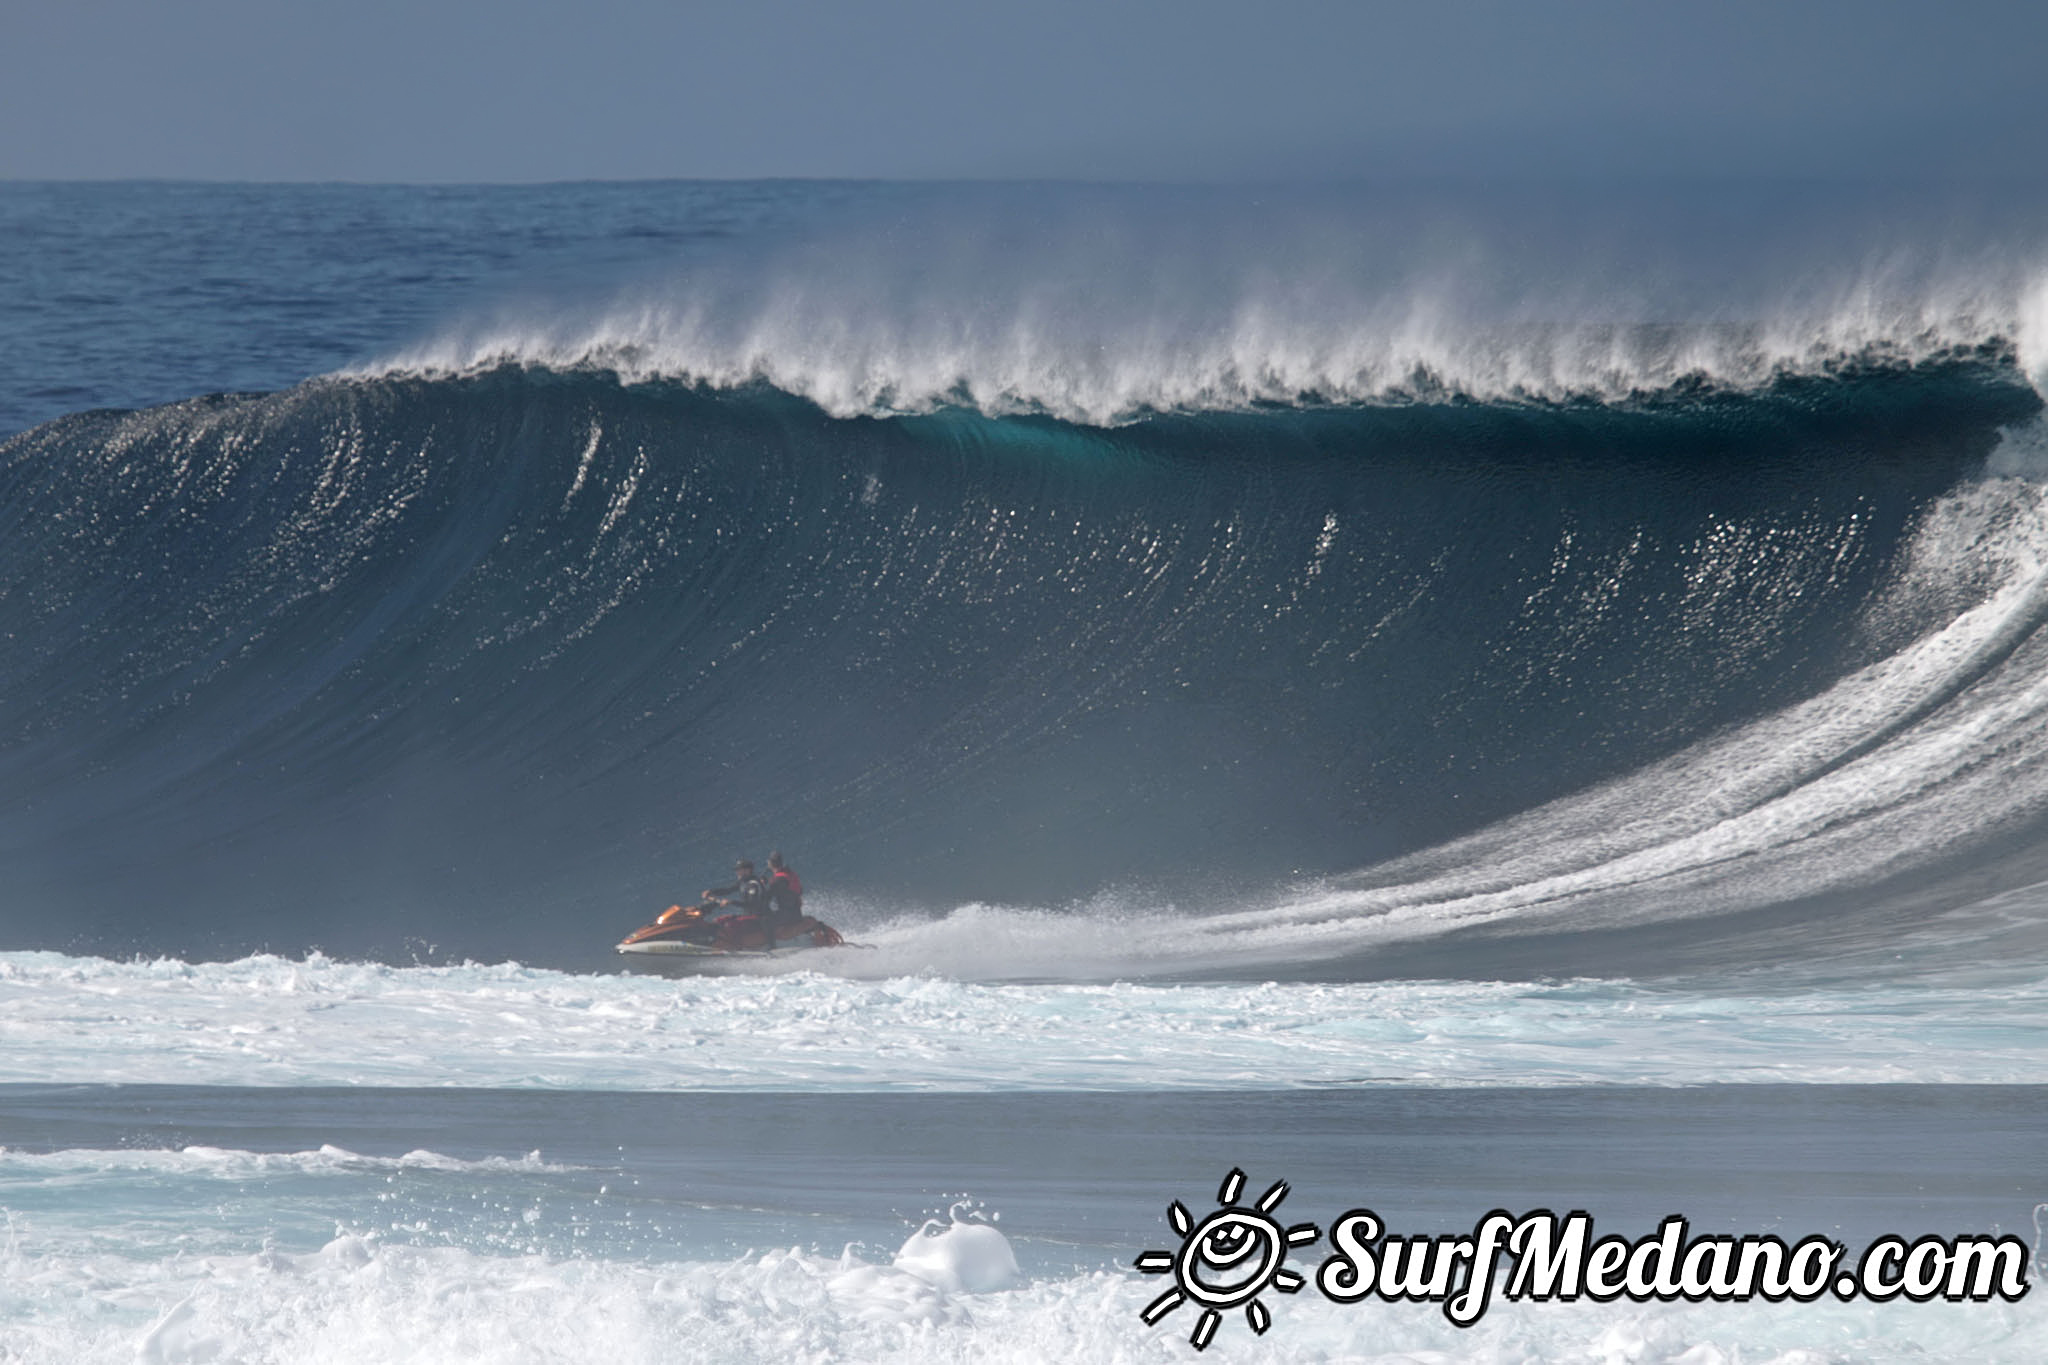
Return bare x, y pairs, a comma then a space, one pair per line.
1105, 310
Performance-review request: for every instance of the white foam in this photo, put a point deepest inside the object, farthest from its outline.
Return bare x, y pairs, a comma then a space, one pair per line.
2032, 330
234, 1165
1111, 310
269, 1021
1109, 377
361, 1302
960, 1255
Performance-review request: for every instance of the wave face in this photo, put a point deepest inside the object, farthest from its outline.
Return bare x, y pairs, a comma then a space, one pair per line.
493, 664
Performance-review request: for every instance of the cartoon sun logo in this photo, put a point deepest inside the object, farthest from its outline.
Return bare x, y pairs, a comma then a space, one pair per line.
1227, 1259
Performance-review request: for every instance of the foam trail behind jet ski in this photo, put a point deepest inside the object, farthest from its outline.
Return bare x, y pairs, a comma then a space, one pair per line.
1880, 771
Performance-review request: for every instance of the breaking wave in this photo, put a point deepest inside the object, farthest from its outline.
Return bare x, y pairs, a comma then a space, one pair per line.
1089, 561
1105, 307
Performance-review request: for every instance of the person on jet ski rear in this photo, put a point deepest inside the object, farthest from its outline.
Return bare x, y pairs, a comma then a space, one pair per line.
785, 897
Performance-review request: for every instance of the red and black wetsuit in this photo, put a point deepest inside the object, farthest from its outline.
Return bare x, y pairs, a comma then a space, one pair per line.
785, 899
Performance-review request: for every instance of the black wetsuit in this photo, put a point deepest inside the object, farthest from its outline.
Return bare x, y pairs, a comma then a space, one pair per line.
749, 896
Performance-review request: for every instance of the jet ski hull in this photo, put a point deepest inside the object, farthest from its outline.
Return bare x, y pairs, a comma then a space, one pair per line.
671, 958
691, 939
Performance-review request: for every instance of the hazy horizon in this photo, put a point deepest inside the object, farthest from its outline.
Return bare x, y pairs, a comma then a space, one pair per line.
1308, 90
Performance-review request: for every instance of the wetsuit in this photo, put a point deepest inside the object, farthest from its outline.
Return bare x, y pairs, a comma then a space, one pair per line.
749, 896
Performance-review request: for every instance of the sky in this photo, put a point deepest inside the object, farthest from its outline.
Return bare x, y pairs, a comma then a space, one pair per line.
519, 90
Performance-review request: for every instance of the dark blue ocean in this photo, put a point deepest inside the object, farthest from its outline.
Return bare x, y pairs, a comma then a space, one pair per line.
1458, 699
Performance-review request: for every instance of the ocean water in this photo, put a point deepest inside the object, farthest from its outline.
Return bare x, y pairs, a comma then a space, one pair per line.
1450, 700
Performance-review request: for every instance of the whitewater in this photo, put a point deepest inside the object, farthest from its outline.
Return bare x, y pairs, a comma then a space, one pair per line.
1450, 699
272, 1021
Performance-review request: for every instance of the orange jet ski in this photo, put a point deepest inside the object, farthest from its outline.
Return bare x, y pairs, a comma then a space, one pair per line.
685, 934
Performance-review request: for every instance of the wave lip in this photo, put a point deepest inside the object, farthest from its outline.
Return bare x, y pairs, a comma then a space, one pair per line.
1255, 364
1107, 308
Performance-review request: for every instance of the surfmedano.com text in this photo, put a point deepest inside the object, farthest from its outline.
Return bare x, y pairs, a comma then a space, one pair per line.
1556, 1259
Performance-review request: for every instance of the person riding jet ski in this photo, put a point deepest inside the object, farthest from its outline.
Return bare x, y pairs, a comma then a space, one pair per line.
748, 894
785, 899
766, 911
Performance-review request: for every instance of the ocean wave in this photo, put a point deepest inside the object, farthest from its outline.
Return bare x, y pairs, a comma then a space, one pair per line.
1105, 308
492, 663
1107, 381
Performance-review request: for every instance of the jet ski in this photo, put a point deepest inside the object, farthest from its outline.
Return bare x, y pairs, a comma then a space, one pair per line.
687, 936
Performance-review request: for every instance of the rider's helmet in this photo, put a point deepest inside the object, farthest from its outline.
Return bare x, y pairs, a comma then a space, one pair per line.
775, 860
743, 866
